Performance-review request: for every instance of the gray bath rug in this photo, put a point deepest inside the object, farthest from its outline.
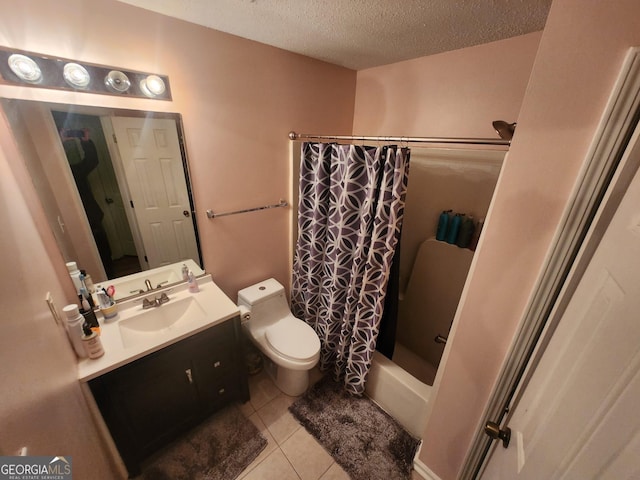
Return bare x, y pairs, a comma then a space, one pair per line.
364, 440
218, 449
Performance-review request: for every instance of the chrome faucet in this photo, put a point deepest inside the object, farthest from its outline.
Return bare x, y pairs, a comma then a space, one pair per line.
147, 283
156, 302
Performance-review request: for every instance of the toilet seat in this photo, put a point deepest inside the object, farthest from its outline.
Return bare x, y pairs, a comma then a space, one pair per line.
293, 339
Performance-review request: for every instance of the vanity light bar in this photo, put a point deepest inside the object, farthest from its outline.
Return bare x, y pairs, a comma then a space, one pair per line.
30, 69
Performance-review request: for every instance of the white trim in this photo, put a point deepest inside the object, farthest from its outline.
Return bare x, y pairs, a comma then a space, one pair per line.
424, 471
611, 137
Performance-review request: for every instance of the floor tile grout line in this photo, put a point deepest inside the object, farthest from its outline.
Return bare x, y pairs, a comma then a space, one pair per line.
278, 445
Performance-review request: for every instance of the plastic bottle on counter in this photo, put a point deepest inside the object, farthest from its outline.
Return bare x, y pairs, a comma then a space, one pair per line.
74, 328
91, 320
193, 283
91, 342
75, 274
88, 282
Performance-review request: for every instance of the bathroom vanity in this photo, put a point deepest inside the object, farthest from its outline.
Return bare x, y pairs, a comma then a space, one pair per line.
166, 368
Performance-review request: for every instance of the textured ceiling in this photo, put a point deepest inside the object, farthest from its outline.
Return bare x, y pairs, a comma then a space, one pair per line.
360, 34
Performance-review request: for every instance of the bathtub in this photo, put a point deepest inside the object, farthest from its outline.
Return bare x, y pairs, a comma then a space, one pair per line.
399, 394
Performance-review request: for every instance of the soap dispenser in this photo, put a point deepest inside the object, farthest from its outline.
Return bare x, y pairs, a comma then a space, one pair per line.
193, 283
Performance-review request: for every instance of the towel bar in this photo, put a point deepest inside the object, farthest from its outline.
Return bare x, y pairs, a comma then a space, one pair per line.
282, 203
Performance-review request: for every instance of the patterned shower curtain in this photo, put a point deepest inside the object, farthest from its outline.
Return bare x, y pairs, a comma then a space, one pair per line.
349, 220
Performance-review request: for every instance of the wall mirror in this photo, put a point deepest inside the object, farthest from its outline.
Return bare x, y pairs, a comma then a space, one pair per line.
114, 185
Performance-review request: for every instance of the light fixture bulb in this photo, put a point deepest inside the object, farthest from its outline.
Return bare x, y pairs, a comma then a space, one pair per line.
76, 75
152, 86
25, 68
117, 81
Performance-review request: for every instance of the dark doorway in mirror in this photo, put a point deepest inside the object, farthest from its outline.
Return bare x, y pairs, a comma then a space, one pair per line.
88, 155
126, 265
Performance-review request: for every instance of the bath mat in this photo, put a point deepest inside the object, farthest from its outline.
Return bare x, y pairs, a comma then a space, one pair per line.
363, 439
218, 449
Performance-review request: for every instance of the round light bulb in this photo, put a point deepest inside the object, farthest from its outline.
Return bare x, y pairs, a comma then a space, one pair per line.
117, 81
25, 68
76, 75
152, 86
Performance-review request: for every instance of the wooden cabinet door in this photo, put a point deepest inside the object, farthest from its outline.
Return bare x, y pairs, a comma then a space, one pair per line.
148, 402
156, 397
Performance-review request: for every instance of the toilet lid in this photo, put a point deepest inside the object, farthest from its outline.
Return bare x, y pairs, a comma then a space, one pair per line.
293, 338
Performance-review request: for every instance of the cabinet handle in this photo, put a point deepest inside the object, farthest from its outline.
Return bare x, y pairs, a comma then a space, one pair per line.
221, 391
189, 376
216, 364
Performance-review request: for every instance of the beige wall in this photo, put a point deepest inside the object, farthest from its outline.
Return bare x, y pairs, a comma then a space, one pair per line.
455, 94
238, 99
581, 51
42, 405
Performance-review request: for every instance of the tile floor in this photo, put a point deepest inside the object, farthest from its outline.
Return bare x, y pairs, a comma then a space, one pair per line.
291, 453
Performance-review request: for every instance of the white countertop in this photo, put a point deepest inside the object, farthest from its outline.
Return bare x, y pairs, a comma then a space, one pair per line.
216, 305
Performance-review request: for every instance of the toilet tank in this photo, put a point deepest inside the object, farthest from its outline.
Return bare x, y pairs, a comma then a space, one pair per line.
266, 301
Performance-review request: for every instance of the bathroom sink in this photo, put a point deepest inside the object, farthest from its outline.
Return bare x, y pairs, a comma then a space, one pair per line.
156, 322
135, 332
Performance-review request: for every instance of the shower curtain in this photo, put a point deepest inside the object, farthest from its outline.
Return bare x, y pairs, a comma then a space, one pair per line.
350, 211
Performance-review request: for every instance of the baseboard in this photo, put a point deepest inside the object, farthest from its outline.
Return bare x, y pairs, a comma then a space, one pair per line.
424, 471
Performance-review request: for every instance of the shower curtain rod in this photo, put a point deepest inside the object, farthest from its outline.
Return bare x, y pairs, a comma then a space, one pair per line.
441, 140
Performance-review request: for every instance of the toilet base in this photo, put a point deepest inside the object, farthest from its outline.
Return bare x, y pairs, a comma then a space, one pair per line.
290, 382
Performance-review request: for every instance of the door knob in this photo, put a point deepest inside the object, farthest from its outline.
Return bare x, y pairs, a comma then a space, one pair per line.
494, 431
186, 213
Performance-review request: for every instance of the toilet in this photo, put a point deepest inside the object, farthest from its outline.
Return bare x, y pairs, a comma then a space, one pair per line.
290, 346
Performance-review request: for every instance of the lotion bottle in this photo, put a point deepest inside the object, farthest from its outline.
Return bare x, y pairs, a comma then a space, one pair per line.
91, 342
